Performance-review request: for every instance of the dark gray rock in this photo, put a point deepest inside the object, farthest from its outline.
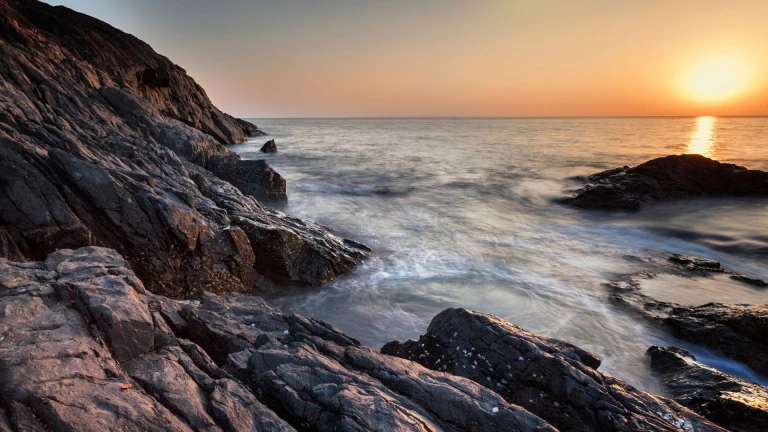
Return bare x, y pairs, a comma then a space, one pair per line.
733, 403
104, 142
252, 177
551, 378
695, 263
269, 147
667, 178
736, 331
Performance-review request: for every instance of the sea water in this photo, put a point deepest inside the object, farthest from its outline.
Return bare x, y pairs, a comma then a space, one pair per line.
460, 213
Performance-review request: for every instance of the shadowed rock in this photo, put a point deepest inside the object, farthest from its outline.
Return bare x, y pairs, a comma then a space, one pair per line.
699, 264
733, 403
269, 147
667, 178
252, 177
736, 331
104, 142
553, 379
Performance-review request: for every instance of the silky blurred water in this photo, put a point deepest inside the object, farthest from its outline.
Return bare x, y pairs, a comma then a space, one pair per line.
469, 222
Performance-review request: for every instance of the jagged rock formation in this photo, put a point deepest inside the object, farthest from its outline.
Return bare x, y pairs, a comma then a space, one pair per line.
733, 403
269, 147
84, 347
667, 178
105, 142
699, 264
553, 379
735, 330
81, 349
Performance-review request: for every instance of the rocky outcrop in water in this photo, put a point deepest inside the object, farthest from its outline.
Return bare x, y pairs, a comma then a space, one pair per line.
553, 379
84, 347
735, 404
667, 178
105, 142
736, 331
699, 264
269, 147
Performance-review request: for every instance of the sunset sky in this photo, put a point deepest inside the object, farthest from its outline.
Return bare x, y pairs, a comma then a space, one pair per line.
460, 58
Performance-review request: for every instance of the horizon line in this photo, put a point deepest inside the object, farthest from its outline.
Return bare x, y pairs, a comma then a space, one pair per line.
498, 117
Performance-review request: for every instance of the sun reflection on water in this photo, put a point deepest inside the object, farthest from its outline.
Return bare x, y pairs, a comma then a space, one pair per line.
702, 139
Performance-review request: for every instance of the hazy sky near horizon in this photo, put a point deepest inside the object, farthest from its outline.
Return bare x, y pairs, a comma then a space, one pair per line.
460, 58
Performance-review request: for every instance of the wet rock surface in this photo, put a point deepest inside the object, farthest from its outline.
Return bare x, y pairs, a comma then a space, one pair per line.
551, 378
667, 178
225, 363
269, 147
731, 402
105, 142
699, 264
736, 331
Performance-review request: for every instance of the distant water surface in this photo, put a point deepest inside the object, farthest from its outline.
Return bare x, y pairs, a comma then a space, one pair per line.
468, 221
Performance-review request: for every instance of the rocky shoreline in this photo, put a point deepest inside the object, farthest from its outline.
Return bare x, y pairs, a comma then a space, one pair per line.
132, 242
84, 346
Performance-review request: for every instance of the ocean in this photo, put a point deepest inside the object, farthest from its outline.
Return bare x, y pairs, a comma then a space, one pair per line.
460, 213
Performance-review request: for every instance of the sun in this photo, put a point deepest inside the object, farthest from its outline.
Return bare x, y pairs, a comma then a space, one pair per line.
715, 80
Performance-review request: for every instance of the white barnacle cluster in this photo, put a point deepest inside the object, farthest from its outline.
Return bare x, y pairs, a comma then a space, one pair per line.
678, 422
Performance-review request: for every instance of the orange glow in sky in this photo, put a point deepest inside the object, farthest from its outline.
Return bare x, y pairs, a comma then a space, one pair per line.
318, 58
717, 80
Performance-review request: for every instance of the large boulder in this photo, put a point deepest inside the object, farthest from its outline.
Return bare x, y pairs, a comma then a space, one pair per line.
252, 177
667, 178
553, 379
104, 142
733, 403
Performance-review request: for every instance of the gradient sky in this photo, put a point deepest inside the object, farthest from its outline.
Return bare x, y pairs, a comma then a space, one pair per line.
326, 58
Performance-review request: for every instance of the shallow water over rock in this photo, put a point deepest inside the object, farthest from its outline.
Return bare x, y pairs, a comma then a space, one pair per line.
459, 213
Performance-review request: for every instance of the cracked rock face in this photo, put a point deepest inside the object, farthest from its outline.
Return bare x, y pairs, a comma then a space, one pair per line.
83, 347
731, 402
667, 178
104, 142
550, 378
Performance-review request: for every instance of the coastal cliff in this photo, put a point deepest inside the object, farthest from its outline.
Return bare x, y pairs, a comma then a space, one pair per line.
105, 142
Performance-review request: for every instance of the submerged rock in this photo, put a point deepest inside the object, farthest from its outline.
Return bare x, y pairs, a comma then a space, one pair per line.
736, 331
667, 178
695, 263
553, 379
699, 264
269, 147
84, 347
105, 142
733, 403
